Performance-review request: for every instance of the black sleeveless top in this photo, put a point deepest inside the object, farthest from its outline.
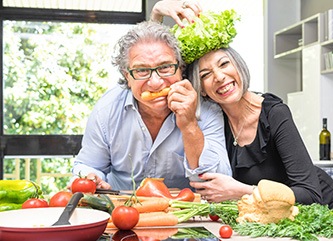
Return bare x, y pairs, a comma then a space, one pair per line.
279, 154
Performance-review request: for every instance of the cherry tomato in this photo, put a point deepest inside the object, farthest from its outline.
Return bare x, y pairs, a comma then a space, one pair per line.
124, 217
84, 185
60, 199
35, 203
225, 231
214, 217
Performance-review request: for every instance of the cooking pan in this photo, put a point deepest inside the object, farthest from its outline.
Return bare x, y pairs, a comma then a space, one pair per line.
35, 224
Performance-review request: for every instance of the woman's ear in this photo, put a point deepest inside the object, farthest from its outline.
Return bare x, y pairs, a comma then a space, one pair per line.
203, 93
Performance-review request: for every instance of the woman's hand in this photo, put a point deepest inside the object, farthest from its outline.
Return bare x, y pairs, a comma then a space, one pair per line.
99, 181
178, 10
219, 187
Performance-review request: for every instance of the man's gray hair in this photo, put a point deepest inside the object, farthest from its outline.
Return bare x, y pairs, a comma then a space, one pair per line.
144, 31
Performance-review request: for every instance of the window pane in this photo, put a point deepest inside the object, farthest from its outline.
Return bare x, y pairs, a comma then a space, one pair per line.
94, 5
52, 174
54, 73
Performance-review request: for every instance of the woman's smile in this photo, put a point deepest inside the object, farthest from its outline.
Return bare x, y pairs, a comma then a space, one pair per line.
226, 88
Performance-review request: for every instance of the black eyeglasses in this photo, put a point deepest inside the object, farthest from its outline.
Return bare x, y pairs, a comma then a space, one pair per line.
164, 70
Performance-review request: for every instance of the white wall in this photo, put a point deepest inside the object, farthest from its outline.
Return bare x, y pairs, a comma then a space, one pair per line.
279, 14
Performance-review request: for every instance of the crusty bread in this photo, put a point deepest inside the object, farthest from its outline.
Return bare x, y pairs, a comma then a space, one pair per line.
275, 191
269, 203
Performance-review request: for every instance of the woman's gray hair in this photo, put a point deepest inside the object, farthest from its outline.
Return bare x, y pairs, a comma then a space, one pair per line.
144, 31
237, 61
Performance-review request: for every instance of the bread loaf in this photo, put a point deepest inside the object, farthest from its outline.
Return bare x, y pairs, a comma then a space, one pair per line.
269, 203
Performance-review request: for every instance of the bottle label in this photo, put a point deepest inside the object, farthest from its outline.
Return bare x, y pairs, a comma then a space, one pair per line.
325, 152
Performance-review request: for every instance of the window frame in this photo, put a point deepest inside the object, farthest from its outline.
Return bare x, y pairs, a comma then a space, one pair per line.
50, 145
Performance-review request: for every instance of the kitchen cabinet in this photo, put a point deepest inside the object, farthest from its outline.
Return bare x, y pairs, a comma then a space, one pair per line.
305, 43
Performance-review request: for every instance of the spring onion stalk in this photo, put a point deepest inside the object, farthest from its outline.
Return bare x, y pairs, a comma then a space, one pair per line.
227, 211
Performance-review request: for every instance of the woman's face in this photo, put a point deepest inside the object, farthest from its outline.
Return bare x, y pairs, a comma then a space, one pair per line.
219, 78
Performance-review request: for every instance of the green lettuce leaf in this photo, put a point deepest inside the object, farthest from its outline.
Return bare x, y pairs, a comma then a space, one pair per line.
211, 31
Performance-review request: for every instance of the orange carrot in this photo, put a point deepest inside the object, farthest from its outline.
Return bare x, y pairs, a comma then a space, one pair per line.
156, 233
151, 219
157, 219
152, 205
110, 225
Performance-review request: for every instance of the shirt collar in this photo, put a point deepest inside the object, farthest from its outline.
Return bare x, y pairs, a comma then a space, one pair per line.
130, 100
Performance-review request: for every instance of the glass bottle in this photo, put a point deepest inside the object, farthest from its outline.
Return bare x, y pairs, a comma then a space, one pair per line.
325, 142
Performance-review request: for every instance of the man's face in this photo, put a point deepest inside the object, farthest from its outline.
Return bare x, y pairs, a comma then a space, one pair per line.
151, 55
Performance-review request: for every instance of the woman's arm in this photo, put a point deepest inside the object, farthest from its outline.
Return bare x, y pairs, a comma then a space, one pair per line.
303, 179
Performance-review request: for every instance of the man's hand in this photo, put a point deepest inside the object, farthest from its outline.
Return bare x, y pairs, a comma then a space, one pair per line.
182, 100
178, 10
99, 182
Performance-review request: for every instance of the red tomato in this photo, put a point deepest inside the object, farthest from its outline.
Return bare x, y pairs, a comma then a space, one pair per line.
214, 217
60, 199
225, 231
124, 217
185, 194
83, 185
35, 203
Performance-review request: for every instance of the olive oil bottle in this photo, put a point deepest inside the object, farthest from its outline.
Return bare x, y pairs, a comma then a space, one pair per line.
325, 142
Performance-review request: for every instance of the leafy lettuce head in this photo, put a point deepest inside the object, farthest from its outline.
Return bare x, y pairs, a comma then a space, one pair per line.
211, 31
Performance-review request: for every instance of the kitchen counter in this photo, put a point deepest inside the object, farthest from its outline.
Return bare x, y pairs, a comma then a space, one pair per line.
214, 227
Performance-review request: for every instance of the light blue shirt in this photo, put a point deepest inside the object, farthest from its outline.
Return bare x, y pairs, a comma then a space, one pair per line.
116, 142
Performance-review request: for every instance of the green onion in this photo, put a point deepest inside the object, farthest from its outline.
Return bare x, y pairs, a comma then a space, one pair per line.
227, 211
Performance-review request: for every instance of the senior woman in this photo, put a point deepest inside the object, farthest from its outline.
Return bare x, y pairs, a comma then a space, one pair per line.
261, 137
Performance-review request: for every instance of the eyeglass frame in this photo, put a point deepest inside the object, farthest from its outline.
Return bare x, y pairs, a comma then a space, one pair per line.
130, 71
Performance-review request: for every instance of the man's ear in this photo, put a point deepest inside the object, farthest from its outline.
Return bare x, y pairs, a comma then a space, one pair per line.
127, 77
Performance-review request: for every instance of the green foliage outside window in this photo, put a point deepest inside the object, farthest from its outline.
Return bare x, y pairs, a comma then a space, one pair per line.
53, 75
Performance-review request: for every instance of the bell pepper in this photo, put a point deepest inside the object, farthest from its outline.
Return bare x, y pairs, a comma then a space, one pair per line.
18, 191
9, 206
155, 187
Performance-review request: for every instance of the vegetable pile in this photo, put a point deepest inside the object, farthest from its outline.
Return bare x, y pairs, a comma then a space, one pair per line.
211, 31
13, 193
313, 220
